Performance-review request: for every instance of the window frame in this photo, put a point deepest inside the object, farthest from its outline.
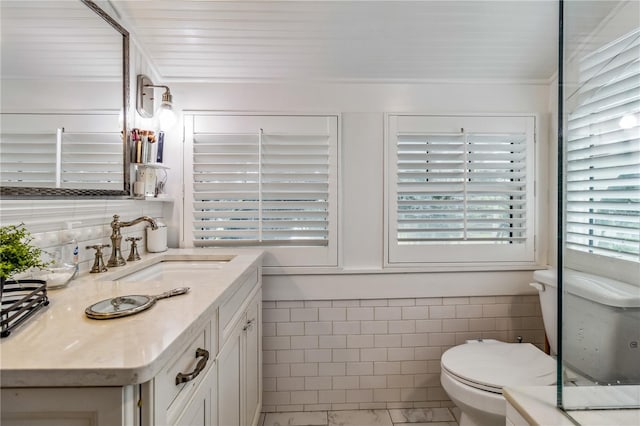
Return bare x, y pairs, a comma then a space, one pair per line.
449, 256
276, 257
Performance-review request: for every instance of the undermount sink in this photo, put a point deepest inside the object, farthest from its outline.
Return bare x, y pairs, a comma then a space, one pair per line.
175, 270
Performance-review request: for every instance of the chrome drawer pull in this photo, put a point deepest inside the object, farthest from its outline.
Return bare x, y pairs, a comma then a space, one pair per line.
200, 353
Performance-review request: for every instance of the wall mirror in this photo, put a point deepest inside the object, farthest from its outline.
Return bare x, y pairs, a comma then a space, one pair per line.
64, 100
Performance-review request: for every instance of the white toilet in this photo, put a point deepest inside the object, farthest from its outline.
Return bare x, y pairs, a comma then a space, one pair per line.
473, 374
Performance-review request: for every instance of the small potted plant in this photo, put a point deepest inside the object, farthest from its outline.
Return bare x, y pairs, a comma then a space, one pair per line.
16, 252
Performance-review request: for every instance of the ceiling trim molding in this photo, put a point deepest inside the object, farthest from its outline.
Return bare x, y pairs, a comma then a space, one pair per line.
222, 80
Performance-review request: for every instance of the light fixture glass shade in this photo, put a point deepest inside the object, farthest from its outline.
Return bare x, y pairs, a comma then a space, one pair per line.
166, 116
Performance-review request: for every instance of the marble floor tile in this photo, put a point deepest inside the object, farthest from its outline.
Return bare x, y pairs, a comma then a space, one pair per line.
421, 415
360, 418
427, 424
307, 418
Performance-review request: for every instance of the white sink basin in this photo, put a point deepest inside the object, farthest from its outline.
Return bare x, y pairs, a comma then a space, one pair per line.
176, 270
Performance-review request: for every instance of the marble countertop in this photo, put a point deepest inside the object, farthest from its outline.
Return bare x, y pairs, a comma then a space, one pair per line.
537, 405
60, 346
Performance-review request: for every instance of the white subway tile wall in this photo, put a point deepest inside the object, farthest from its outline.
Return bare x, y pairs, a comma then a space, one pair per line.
46, 221
378, 354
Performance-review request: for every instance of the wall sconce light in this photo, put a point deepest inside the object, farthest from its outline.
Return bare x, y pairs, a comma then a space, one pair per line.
145, 102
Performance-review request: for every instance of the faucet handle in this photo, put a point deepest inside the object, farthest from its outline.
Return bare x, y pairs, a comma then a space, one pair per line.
98, 247
133, 254
98, 262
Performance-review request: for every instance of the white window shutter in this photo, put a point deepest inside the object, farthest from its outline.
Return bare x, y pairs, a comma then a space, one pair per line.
603, 156
92, 160
295, 189
466, 188
226, 196
460, 189
268, 181
28, 159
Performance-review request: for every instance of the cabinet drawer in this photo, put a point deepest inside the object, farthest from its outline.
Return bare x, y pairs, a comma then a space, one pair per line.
191, 364
232, 307
201, 407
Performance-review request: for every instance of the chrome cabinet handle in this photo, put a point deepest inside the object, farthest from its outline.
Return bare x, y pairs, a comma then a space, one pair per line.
248, 324
186, 377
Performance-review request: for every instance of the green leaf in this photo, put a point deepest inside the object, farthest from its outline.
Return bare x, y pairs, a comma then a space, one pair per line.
16, 252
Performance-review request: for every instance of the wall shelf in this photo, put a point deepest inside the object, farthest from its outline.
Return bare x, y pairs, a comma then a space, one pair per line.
151, 198
151, 165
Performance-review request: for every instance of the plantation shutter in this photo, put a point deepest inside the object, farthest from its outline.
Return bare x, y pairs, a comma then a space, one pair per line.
226, 182
264, 180
28, 159
79, 151
467, 189
92, 160
603, 153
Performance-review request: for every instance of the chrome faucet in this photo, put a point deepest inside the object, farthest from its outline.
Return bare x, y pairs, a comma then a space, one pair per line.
116, 258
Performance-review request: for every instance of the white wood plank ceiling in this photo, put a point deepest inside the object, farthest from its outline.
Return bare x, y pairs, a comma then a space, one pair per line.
512, 40
365, 40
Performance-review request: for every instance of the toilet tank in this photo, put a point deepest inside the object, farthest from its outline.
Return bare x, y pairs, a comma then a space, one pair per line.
546, 282
601, 325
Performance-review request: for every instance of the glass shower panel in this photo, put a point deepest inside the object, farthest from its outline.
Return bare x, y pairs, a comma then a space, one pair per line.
600, 205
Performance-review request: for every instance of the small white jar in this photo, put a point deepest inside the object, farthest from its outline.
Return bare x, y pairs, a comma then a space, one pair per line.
157, 239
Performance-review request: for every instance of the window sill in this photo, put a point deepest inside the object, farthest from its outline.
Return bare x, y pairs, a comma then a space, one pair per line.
401, 269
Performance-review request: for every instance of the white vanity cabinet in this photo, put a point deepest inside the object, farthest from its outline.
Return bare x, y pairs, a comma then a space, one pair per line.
196, 362
161, 401
228, 389
240, 364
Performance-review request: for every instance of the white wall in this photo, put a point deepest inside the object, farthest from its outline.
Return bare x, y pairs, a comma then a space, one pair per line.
362, 108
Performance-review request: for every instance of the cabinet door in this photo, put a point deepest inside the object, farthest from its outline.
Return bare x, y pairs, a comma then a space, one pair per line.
113, 406
229, 363
253, 360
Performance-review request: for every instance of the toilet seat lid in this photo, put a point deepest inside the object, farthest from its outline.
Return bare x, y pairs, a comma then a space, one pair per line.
492, 366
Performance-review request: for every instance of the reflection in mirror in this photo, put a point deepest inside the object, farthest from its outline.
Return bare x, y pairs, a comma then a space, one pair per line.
64, 100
